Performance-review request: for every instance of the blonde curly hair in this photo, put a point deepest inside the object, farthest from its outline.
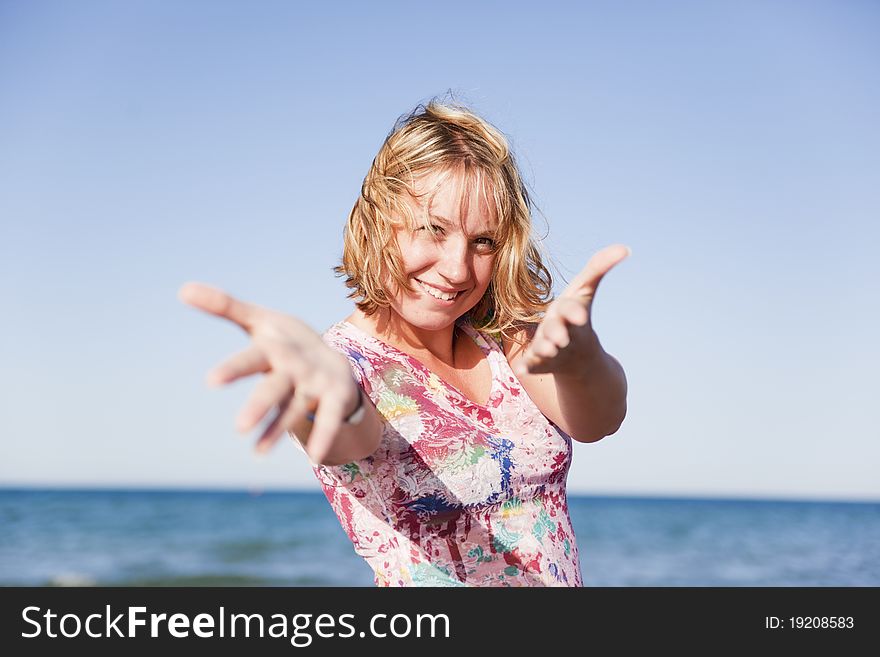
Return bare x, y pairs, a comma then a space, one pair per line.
449, 139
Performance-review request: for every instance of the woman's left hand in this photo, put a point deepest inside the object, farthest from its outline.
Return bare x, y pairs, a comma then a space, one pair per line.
565, 340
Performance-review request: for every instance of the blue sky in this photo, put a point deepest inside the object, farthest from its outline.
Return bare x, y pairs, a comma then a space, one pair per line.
732, 145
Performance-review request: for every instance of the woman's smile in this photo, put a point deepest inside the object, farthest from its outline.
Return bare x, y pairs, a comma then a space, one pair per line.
445, 296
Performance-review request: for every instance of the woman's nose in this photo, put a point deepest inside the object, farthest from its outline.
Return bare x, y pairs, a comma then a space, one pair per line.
453, 265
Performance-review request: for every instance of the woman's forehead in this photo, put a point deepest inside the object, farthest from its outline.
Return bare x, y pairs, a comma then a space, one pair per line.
456, 198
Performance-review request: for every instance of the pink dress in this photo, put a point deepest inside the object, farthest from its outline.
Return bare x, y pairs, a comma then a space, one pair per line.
457, 494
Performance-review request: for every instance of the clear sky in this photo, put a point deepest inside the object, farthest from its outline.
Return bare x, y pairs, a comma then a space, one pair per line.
734, 146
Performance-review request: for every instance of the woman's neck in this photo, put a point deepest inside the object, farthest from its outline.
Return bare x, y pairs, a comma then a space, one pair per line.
426, 345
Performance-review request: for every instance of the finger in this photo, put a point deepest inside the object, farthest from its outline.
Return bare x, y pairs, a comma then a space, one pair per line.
555, 330
295, 417
536, 356
328, 420
217, 302
534, 364
246, 362
587, 281
543, 349
573, 312
285, 420
302, 415
273, 390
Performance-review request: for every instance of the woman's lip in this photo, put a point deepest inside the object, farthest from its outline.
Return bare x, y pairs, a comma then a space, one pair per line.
437, 287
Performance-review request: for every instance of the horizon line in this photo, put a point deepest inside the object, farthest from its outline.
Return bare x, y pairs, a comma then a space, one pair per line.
256, 491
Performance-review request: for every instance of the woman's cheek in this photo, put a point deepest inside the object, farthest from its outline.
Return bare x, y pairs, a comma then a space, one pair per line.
417, 256
486, 267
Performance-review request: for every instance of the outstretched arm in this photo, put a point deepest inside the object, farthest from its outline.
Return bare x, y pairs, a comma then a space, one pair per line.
562, 365
311, 384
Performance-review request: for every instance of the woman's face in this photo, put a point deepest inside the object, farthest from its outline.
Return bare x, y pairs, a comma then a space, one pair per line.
451, 268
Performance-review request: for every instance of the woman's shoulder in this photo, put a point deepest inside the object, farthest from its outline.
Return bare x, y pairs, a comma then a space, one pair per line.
337, 332
348, 339
346, 335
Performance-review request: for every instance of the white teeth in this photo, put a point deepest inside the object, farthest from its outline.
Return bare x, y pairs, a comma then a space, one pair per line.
437, 294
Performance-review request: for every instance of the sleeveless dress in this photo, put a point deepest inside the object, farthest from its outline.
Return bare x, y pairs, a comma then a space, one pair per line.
457, 494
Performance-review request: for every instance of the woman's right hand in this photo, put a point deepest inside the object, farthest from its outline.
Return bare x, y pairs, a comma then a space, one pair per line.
303, 375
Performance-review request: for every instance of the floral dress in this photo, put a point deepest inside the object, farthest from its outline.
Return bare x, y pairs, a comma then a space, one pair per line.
457, 494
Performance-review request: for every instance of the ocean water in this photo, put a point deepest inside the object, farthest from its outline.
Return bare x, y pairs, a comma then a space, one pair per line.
174, 538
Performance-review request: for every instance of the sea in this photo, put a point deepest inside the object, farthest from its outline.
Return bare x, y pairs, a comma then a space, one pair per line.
246, 538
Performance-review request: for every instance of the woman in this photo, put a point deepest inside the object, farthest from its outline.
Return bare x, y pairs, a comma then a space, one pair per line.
439, 415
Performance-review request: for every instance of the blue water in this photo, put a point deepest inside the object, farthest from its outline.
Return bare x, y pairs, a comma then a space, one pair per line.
150, 538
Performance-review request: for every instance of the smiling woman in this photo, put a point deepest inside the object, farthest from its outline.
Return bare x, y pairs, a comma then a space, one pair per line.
439, 416
441, 168
447, 266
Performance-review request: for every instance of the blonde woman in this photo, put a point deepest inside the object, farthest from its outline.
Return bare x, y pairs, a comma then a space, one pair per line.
439, 416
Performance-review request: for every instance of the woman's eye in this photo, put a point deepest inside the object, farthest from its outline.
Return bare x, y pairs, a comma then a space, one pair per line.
485, 242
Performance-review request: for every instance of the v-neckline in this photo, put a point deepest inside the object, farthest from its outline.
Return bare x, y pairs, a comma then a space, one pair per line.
419, 365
